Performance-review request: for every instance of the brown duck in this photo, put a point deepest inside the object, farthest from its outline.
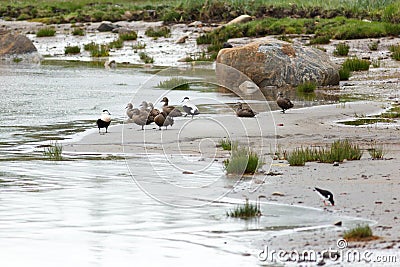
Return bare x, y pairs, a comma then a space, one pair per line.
163, 119
244, 112
283, 102
141, 117
170, 110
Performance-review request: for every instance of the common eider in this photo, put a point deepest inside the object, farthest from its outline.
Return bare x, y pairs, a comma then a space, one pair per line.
170, 110
104, 121
189, 107
244, 112
283, 102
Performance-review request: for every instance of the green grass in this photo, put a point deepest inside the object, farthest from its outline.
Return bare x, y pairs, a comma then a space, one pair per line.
139, 45
118, 43
202, 56
344, 73
373, 46
358, 233
174, 83
307, 87
90, 46
46, 32
53, 152
99, 51
245, 211
376, 151
78, 32
72, 50
395, 49
242, 161
320, 39
365, 121
157, 32
342, 49
356, 64
392, 113
131, 36
227, 144
146, 58
338, 151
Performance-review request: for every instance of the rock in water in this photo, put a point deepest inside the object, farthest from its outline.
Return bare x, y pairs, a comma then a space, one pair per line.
107, 27
14, 44
275, 63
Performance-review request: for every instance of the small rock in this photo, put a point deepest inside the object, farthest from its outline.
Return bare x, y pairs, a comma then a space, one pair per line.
240, 19
106, 27
338, 223
182, 40
187, 172
278, 194
227, 45
336, 163
196, 24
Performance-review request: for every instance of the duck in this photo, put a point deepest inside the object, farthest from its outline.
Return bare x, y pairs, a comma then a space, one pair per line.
189, 107
283, 102
141, 117
130, 110
163, 119
153, 111
244, 112
170, 110
104, 121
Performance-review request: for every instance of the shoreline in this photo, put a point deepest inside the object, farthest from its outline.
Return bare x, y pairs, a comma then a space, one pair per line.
350, 182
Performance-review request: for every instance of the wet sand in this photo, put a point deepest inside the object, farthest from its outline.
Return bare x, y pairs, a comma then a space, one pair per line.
366, 188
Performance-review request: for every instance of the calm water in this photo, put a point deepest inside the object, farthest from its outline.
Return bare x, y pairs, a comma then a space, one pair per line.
90, 211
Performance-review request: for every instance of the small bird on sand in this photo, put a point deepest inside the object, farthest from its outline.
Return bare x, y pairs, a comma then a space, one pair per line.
130, 110
170, 110
283, 102
244, 112
104, 121
325, 196
163, 119
189, 107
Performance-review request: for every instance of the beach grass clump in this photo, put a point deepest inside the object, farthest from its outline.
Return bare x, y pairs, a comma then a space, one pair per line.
99, 51
358, 233
54, 151
395, 49
339, 151
373, 46
72, 50
78, 32
90, 46
376, 151
392, 113
46, 32
157, 32
138, 46
146, 58
174, 83
296, 157
307, 87
246, 211
344, 74
227, 144
242, 161
128, 36
356, 64
320, 39
342, 49
117, 43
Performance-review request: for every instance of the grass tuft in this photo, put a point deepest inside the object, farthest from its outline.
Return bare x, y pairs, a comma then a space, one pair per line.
78, 32
242, 161
307, 87
373, 46
342, 49
54, 152
376, 151
139, 45
146, 58
227, 144
395, 49
246, 211
356, 64
344, 73
72, 50
174, 83
45, 32
158, 32
131, 36
358, 233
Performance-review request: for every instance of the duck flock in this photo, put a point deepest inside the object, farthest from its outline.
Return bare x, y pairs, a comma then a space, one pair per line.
147, 114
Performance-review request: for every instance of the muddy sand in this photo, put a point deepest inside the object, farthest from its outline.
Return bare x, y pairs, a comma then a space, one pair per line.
365, 188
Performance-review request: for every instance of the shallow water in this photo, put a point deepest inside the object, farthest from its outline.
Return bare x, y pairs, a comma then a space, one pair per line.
88, 211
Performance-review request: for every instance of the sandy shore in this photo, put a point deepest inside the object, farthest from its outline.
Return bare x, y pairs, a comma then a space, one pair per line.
366, 188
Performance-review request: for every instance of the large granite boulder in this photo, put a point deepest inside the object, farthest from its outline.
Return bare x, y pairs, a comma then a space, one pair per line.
15, 44
275, 63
